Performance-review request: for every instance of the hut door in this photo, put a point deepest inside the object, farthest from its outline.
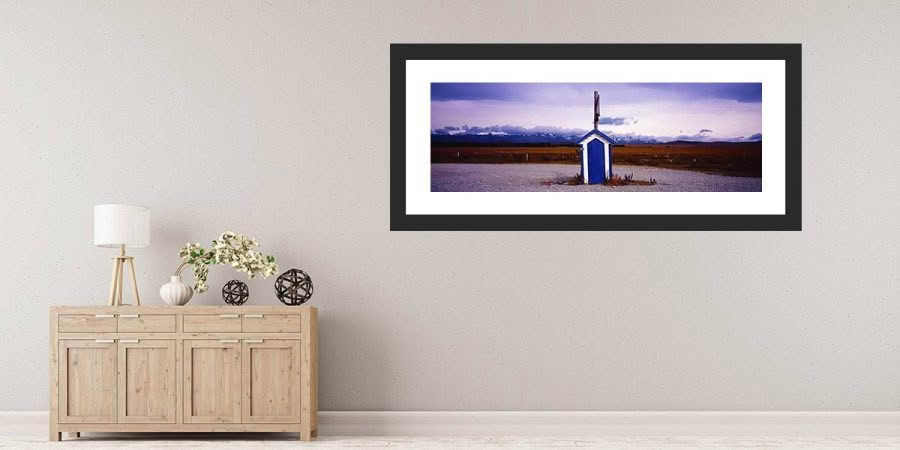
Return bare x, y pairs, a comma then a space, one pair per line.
596, 161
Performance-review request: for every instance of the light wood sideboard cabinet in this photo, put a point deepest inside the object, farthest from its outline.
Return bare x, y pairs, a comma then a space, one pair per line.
183, 369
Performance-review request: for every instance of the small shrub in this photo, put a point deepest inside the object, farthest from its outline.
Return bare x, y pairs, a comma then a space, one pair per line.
628, 179
564, 180
615, 180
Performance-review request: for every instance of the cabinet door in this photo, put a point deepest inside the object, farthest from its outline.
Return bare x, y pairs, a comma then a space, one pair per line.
87, 381
147, 381
271, 376
212, 381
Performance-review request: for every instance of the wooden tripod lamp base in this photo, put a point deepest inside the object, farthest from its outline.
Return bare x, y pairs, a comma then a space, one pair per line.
118, 279
118, 226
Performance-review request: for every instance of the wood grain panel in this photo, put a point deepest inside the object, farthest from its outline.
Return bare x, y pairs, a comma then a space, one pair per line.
211, 323
309, 375
271, 323
87, 323
271, 378
147, 382
212, 381
180, 428
87, 390
185, 310
156, 323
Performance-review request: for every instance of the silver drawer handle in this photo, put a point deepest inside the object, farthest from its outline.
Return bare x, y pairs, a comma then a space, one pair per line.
254, 316
104, 341
128, 341
99, 316
129, 316
228, 341
228, 316
253, 341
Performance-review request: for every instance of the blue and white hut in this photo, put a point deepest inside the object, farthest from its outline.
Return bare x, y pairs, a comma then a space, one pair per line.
596, 151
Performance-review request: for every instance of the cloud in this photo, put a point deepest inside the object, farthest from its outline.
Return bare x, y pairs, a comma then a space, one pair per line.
633, 138
617, 121
516, 130
476, 91
740, 92
687, 137
610, 93
704, 135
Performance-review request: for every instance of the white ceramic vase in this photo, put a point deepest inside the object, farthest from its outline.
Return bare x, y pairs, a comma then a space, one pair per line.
175, 292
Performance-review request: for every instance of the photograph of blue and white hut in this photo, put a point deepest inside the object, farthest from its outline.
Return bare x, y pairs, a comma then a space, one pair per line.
596, 151
596, 157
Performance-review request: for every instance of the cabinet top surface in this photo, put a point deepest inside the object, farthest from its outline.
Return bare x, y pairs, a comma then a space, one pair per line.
160, 309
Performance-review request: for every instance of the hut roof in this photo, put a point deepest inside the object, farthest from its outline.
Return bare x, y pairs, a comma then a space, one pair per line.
599, 134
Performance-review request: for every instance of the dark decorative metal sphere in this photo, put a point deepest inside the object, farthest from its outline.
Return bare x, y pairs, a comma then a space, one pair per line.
235, 292
294, 287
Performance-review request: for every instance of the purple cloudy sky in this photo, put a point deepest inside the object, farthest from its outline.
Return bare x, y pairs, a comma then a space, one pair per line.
668, 111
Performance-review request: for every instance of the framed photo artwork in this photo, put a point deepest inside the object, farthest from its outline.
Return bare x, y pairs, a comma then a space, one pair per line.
595, 137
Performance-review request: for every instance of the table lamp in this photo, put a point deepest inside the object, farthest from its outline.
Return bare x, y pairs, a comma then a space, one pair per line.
120, 226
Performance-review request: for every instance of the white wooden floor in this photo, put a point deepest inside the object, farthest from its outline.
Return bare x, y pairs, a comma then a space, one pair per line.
521, 430
475, 442
11, 438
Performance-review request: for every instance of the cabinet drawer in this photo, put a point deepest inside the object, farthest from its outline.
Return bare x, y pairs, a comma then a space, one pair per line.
271, 323
211, 323
87, 323
139, 323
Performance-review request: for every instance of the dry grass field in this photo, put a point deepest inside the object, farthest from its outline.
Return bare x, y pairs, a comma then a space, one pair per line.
724, 158
503, 154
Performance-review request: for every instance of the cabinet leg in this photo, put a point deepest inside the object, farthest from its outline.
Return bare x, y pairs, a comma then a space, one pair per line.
55, 436
76, 434
306, 434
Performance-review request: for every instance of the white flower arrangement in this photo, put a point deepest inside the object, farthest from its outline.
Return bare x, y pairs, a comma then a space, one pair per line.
236, 250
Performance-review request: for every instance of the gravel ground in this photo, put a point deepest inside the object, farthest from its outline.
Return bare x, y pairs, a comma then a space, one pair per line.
528, 178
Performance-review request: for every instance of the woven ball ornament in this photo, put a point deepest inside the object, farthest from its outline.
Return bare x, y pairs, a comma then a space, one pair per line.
293, 287
235, 292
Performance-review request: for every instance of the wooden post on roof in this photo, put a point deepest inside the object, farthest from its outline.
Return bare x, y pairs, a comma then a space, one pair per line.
596, 109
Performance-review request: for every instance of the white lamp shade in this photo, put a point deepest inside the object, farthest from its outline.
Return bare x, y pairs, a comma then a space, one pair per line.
116, 225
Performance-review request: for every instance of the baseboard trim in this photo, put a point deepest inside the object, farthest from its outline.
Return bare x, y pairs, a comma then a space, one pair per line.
416, 423
554, 423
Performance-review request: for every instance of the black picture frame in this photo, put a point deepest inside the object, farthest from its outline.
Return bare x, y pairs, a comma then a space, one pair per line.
789, 221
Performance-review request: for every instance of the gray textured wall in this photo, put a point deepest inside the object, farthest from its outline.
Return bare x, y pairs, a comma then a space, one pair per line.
236, 116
